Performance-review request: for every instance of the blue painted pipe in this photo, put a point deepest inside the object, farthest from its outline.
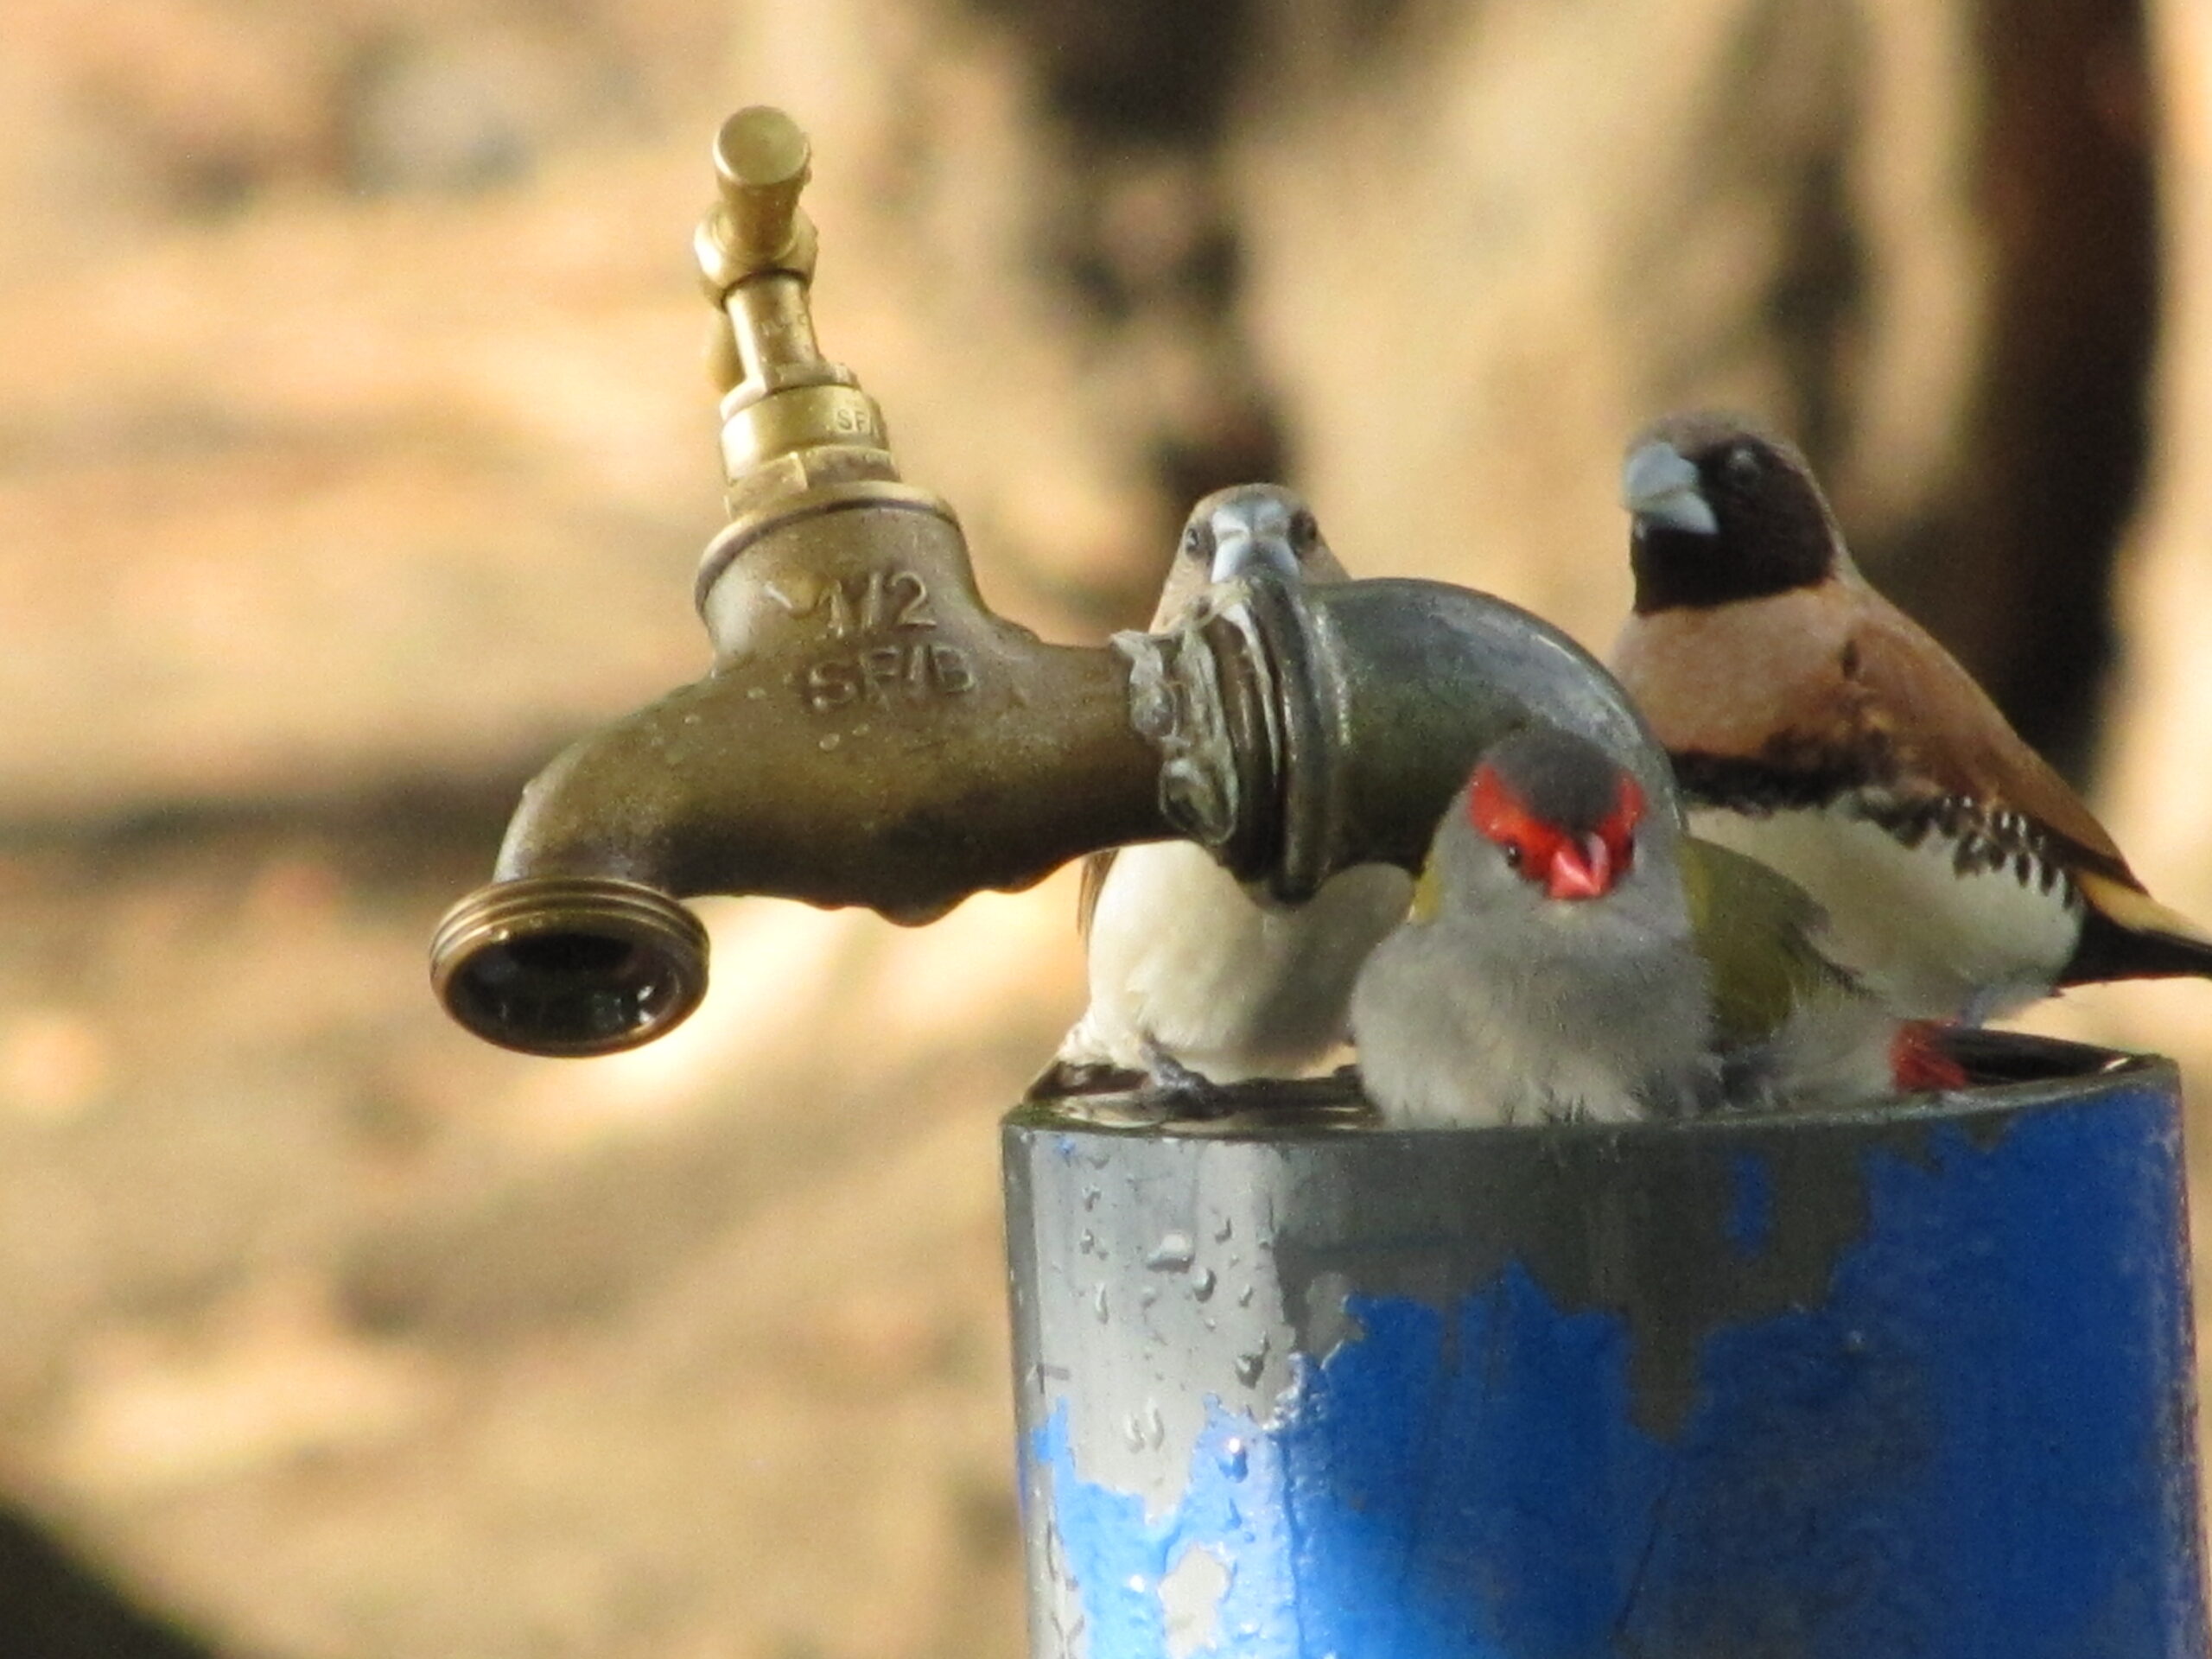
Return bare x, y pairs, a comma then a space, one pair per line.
1906, 1384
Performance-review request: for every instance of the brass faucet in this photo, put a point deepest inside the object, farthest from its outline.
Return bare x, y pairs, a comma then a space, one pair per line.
870, 734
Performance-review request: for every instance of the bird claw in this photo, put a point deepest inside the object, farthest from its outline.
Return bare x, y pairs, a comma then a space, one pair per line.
1066, 1079
1980, 1008
1187, 1093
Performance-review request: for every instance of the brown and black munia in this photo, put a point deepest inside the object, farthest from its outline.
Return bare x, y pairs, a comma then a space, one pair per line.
1816, 728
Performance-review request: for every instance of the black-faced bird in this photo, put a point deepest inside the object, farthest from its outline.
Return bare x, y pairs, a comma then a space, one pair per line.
1815, 728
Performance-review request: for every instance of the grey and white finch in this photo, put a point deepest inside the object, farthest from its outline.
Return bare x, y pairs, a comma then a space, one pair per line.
1570, 954
1189, 973
1815, 727
1548, 969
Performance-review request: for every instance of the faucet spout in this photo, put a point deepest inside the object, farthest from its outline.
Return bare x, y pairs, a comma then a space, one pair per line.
871, 734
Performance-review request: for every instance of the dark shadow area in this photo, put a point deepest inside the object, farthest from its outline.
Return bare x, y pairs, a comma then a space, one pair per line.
2068, 184
2016, 577
1993, 1059
390, 835
1157, 70
1145, 240
55, 1606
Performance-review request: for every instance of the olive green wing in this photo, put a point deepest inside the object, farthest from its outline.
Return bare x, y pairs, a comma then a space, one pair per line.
1757, 931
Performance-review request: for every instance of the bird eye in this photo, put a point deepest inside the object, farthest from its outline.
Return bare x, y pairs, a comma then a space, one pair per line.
1513, 856
1742, 463
1194, 542
1304, 532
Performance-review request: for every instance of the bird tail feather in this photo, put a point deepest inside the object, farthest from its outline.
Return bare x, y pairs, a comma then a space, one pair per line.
2127, 934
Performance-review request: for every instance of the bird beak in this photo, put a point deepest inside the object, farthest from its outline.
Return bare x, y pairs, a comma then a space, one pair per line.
1241, 546
1659, 485
1584, 872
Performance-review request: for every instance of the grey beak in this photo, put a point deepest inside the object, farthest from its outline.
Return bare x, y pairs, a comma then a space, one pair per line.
1240, 546
1660, 486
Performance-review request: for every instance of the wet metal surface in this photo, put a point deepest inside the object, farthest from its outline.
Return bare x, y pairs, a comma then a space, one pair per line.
1901, 1383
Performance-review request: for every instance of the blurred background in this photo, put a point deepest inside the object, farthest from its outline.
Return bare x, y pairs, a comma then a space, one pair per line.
355, 451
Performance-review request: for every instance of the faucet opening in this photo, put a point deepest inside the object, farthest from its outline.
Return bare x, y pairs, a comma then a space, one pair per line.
570, 965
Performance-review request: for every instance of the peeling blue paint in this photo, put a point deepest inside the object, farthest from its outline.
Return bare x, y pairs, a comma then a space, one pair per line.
1977, 1447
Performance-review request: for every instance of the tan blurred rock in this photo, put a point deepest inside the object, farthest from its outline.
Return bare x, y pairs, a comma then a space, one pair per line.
2162, 706
339, 492
293, 509
360, 1338
276, 1379
1484, 249
54, 1064
2160, 709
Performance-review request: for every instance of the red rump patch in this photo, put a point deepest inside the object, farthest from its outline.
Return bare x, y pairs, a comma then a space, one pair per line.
1919, 1063
1570, 866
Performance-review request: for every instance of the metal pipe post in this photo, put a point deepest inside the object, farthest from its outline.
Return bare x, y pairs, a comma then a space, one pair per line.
1903, 1382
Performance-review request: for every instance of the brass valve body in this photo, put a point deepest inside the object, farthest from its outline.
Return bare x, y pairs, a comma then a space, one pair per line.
871, 734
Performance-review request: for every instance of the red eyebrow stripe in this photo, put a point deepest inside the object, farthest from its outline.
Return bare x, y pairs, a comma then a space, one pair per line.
1627, 813
1492, 809
1496, 812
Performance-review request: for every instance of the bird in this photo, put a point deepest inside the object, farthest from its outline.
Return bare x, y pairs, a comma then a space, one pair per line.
1794, 1029
1570, 955
1813, 726
1547, 969
1194, 981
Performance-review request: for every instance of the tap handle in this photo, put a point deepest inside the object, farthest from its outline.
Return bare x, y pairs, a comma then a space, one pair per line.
760, 164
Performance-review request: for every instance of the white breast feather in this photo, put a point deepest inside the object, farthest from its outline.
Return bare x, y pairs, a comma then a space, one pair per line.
1454, 1030
1180, 953
1930, 939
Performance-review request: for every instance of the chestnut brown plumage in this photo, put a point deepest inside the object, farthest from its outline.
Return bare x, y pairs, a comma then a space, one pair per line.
1815, 727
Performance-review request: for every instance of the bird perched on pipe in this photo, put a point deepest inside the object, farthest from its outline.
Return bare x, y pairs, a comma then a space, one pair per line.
1571, 954
1192, 980
1815, 727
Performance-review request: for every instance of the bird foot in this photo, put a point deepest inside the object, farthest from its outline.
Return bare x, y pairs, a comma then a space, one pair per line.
1064, 1079
1980, 1008
1187, 1093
